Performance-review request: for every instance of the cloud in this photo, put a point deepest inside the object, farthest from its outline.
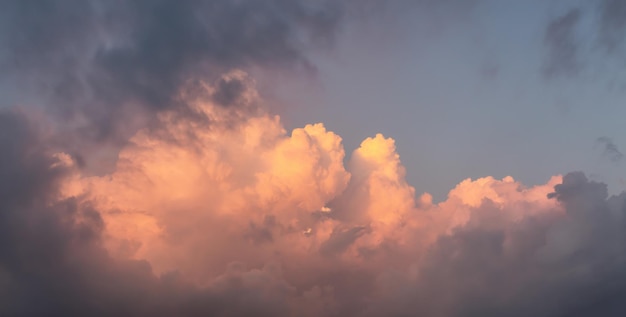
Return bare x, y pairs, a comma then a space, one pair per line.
213, 208
241, 217
612, 24
547, 264
54, 260
560, 40
568, 53
610, 149
104, 68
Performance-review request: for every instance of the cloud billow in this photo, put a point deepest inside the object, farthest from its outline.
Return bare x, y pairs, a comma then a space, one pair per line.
243, 218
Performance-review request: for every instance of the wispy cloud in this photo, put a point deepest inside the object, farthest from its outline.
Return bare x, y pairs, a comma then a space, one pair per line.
610, 149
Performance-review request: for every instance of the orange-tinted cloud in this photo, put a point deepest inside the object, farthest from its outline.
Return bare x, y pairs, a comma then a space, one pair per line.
193, 197
216, 209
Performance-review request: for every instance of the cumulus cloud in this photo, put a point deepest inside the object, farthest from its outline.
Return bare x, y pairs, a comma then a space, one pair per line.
241, 217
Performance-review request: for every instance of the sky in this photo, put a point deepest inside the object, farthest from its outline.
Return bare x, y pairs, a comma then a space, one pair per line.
312, 158
474, 93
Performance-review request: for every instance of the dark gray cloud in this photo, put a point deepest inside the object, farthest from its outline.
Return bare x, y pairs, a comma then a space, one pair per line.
612, 24
99, 65
610, 149
567, 53
562, 45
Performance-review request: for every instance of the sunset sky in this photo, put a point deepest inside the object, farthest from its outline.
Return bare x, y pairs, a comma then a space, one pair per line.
312, 158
